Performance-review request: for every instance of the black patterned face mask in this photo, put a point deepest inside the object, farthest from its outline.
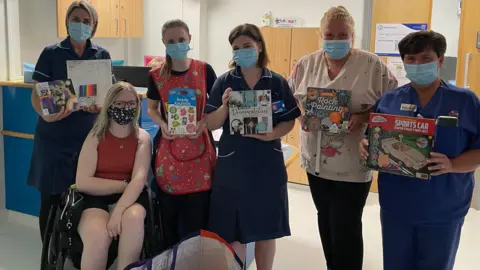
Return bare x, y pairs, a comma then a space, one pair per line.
122, 116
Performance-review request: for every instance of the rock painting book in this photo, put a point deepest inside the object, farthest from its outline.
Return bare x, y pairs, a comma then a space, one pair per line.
400, 144
250, 112
56, 94
182, 111
327, 110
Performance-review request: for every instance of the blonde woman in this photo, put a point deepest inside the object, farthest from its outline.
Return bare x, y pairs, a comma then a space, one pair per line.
112, 169
339, 183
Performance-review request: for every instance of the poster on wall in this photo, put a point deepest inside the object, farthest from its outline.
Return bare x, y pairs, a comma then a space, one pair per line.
387, 36
395, 64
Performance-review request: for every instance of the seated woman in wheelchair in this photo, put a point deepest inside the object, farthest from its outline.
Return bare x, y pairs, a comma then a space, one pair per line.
112, 169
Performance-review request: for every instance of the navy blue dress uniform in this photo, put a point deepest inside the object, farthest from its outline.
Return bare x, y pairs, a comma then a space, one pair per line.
422, 220
57, 145
249, 200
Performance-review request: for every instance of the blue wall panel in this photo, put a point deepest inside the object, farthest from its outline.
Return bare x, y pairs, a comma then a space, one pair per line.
18, 114
19, 196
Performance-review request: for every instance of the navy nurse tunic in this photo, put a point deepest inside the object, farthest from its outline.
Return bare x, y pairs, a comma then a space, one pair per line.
431, 210
56, 145
249, 200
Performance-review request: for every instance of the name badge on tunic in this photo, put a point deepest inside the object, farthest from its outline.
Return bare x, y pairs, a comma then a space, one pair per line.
408, 107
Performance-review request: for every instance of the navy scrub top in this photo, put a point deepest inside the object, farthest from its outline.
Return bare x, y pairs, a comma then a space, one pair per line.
442, 198
57, 144
245, 164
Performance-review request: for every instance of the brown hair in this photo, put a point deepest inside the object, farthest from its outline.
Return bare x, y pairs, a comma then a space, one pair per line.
421, 41
166, 68
89, 8
253, 32
339, 13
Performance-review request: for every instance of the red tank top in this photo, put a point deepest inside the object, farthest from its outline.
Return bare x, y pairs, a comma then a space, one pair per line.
116, 157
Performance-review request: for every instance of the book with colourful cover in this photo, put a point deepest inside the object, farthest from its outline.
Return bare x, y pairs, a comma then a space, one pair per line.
327, 110
400, 144
56, 94
182, 111
250, 112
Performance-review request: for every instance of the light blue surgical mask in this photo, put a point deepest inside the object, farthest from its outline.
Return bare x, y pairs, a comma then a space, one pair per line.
336, 49
79, 31
245, 58
178, 51
423, 74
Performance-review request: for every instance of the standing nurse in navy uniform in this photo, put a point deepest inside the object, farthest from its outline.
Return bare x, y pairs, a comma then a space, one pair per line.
422, 219
249, 201
59, 138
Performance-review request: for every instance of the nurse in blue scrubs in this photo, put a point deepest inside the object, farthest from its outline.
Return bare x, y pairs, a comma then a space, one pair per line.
422, 219
249, 200
59, 138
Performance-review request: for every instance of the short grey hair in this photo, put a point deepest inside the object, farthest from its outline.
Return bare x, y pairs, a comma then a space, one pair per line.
89, 8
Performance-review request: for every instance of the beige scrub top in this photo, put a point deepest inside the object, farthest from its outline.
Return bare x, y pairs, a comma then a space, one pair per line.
336, 156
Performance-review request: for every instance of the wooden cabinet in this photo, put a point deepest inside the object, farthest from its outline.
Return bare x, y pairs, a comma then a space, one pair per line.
285, 47
116, 18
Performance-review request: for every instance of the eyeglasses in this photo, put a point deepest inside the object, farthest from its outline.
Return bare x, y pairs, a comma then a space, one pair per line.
125, 104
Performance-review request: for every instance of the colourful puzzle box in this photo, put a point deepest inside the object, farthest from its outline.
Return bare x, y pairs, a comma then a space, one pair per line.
182, 111
400, 145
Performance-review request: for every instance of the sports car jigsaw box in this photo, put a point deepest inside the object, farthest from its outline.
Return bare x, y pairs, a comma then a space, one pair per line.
400, 145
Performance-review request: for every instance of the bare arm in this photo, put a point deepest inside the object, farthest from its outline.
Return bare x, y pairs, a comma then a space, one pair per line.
466, 162
140, 171
87, 165
154, 112
216, 119
282, 129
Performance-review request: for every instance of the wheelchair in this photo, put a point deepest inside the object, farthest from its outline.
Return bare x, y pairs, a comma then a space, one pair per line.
62, 241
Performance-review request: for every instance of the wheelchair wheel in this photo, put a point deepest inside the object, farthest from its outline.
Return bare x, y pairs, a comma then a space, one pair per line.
52, 257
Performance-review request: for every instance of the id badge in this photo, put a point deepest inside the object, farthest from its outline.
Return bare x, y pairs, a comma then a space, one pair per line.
278, 106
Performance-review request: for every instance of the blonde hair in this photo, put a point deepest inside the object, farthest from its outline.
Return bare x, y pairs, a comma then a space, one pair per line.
103, 120
89, 8
156, 62
339, 13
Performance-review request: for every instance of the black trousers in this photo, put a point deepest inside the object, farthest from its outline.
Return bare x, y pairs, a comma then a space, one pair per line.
183, 215
340, 209
47, 201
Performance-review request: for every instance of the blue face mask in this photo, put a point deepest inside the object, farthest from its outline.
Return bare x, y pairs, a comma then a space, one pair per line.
178, 51
79, 31
245, 58
336, 49
424, 74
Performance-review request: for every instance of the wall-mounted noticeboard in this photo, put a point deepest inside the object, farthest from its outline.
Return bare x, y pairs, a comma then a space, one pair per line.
388, 35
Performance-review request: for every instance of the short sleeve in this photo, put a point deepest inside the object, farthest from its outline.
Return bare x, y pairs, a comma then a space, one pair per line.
152, 91
215, 97
292, 111
211, 78
43, 68
296, 76
386, 81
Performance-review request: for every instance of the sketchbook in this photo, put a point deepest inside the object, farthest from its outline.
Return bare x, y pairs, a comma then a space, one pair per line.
250, 112
91, 79
55, 95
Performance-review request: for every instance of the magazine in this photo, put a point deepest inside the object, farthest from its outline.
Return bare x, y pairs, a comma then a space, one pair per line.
182, 111
400, 144
250, 112
55, 95
327, 110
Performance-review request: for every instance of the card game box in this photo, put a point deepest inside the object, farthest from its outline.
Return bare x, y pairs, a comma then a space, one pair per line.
327, 110
400, 145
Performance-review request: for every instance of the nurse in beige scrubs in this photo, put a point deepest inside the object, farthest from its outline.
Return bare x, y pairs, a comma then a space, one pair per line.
338, 179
